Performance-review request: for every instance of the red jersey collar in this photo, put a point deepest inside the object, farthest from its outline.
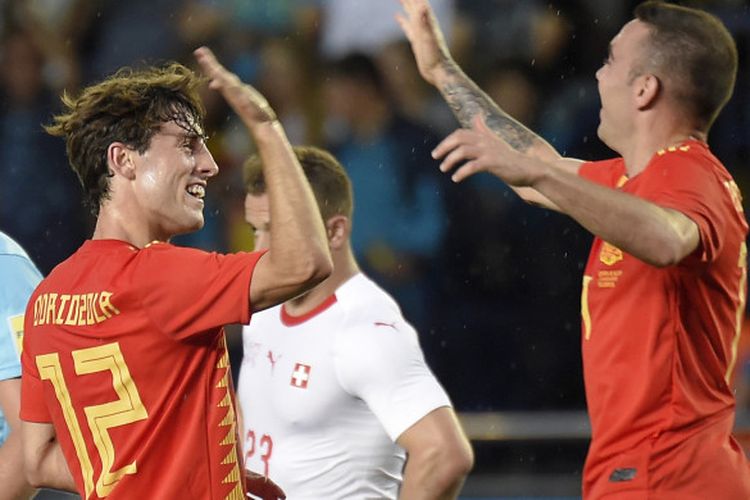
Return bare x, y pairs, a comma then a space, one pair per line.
106, 244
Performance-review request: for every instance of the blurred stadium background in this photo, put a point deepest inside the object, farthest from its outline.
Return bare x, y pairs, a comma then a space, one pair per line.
491, 284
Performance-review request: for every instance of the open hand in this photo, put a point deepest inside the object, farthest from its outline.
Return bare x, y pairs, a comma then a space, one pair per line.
427, 41
248, 103
481, 150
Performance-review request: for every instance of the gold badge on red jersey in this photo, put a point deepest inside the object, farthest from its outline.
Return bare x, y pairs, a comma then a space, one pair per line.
610, 254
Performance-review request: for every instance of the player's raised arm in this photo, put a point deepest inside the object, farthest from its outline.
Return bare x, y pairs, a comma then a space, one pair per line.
298, 256
465, 98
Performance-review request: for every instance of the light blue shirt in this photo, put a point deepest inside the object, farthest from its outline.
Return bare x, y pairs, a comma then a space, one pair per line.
18, 279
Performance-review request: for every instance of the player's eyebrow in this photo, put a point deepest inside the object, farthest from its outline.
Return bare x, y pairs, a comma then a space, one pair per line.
195, 136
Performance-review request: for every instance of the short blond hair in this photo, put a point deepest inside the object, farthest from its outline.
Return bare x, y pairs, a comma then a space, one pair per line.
328, 179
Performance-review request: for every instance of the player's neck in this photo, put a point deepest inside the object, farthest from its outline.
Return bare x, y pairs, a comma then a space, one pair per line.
344, 267
646, 144
114, 224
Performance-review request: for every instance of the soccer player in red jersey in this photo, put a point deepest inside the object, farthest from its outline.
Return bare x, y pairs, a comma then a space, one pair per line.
665, 286
126, 388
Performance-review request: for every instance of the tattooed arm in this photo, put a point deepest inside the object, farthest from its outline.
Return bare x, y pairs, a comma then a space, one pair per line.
467, 101
463, 96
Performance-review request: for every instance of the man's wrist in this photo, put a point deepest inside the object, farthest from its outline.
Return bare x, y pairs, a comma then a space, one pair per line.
445, 72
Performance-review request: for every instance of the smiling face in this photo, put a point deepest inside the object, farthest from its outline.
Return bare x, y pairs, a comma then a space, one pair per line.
170, 180
616, 80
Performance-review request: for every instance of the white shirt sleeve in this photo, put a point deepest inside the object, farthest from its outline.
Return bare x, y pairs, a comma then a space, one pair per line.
382, 364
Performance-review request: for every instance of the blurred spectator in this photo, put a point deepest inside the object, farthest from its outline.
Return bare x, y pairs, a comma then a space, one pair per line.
366, 26
399, 214
58, 28
131, 33
513, 86
413, 98
38, 196
286, 81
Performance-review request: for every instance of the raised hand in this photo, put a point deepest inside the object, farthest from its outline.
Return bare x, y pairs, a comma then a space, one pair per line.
248, 103
427, 41
479, 149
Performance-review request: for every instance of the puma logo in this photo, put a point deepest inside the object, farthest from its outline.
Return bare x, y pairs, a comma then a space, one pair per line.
271, 359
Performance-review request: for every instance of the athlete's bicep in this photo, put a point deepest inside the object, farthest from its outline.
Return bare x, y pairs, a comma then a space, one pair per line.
270, 285
266, 287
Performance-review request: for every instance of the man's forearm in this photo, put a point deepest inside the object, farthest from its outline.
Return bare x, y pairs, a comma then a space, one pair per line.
467, 101
651, 233
53, 471
426, 479
299, 238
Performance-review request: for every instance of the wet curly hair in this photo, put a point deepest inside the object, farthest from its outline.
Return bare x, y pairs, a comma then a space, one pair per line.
129, 106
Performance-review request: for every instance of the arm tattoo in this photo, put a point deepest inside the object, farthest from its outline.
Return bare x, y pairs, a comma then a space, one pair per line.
466, 100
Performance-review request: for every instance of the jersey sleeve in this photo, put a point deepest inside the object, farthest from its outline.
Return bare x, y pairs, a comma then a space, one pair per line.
606, 172
383, 365
33, 407
187, 291
18, 278
689, 184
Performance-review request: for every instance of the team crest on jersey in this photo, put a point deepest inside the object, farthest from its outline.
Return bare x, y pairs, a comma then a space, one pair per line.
300, 375
610, 254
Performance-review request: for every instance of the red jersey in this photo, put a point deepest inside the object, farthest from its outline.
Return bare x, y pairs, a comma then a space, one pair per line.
659, 345
125, 355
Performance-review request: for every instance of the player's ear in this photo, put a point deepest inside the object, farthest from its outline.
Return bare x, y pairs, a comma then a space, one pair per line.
338, 229
647, 88
120, 160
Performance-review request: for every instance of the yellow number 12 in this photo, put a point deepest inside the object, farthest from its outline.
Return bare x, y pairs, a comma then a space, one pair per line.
127, 409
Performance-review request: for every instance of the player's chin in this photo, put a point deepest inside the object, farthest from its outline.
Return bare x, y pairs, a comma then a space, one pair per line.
192, 221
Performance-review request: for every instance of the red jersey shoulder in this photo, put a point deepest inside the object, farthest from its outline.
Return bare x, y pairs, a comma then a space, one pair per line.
695, 165
692, 159
609, 173
158, 258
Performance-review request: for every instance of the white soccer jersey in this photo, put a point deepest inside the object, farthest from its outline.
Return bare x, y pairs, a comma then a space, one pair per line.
326, 395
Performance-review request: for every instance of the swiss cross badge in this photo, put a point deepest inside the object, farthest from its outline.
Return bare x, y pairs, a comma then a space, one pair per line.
300, 375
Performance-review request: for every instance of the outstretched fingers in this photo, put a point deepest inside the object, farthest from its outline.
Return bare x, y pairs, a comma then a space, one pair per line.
450, 143
467, 170
405, 26
462, 146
